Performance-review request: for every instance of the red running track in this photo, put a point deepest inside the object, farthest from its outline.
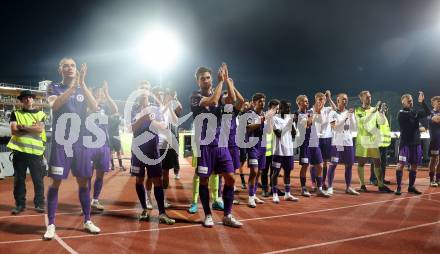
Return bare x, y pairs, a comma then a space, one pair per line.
371, 222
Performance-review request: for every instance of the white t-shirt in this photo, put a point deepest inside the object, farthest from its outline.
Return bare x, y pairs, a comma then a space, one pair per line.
324, 128
165, 136
302, 124
345, 125
283, 145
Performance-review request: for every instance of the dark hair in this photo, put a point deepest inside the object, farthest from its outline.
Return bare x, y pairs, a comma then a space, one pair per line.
284, 103
202, 70
273, 103
258, 96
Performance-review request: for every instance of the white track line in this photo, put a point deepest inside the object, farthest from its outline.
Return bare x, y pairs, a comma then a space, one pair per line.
68, 213
355, 238
336, 208
198, 225
60, 241
135, 209
437, 201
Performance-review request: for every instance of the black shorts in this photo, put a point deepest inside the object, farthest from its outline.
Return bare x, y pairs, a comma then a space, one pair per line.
115, 144
171, 160
243, 155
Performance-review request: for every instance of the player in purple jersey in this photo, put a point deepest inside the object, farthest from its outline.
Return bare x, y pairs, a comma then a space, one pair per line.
309, 151
410, 150
255, 128
70, 98
434, 146
101, 156
146, 122
232, 103
213, 158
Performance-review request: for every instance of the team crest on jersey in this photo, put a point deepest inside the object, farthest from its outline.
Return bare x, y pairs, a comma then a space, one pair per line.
152, 116
80, 97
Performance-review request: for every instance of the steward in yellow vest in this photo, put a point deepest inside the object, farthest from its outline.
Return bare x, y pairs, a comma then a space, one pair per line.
27, 144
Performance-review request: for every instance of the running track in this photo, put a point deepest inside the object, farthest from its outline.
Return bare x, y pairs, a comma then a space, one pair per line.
372, 222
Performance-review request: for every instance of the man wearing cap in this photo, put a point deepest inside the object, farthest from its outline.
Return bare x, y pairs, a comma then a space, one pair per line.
27, 145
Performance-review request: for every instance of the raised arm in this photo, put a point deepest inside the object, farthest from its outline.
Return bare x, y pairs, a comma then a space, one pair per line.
229, 84
57, 101
425, 109
110, 101
328, 95
240, 99
214, 98
90, 100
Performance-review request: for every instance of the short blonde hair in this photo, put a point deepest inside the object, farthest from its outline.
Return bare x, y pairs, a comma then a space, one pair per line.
405, 96
300, 98
435, 98
340, 95
362, 93
319, 95
63, 60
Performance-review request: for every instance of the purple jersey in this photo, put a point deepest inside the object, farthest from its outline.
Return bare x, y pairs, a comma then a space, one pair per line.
155, 114
233, 127
104, 110
196, 109
434, 128
75, 104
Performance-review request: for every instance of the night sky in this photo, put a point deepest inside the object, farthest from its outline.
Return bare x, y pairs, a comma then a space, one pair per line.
281, 48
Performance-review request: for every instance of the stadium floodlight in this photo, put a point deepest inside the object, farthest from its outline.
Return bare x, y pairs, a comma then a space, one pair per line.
159, 49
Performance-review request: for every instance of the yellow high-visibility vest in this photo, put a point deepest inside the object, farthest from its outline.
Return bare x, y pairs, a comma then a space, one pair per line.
29, 143
385, 132
269, 143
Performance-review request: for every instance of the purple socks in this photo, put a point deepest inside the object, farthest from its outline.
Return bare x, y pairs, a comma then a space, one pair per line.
348, 173
97, 187
52, 204
84, 199
313, 174
228, 199
204, 197
319, 181
331, 175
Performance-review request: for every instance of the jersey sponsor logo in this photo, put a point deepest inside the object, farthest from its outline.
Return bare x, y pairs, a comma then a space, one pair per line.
276, 164
253, 162
135, 169
202, 170
402, 158
80, 97
57, 170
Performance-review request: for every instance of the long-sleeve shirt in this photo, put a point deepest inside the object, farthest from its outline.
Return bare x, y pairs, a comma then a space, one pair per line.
409, 121
345, 125
434, 128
